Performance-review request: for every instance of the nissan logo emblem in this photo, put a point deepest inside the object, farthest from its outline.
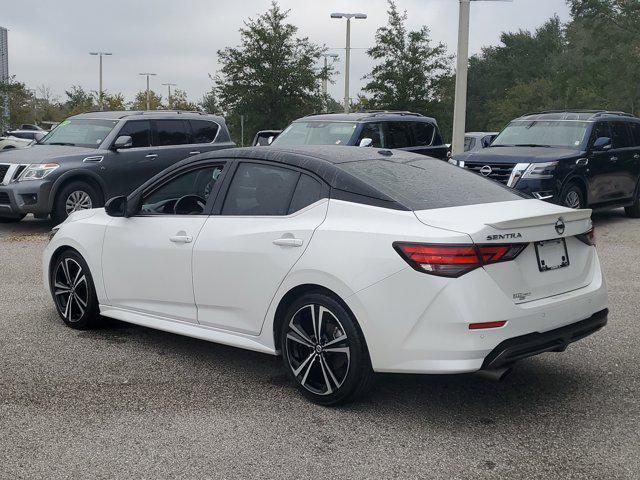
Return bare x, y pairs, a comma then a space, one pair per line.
560, 226
486, 170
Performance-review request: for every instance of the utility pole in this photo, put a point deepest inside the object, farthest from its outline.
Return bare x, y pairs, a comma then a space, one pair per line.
169, 85
148, 97
325, 80
347, 56
100, 91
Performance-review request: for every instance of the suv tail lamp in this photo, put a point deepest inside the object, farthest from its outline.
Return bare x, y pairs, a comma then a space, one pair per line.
455, 260
588, 238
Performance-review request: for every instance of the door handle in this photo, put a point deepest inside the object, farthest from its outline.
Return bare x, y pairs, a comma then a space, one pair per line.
195, 152
636, 156
151, 155
288, 242
613, 159
181, 239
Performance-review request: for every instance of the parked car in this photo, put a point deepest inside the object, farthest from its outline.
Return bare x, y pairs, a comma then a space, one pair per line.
474, 141
91, 157
31, 126
573, 158
265, 137
401, 130
30, 135
344, 260
9, 142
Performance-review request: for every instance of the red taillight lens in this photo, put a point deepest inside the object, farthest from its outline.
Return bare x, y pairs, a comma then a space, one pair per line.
454, 260
588, 238
480, 326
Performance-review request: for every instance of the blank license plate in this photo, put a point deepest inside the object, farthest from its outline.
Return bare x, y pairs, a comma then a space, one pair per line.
552, 254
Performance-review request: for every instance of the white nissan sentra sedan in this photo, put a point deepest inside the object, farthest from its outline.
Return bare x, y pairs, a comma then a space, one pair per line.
346, 261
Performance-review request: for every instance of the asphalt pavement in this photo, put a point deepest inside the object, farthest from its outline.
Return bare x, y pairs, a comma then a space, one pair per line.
130, 402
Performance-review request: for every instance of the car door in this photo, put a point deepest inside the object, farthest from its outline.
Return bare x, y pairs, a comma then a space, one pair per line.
621, 161
244, 253
600, 167
172, 137
125, 169
147, 258
633, 167
203, 136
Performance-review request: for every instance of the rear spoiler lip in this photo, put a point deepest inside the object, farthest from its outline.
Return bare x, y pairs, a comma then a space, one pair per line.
546, 219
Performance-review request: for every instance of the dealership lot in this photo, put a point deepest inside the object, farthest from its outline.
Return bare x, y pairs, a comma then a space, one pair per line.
126, 401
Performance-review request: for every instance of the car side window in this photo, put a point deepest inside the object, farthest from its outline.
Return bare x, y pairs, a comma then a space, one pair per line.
423, 133
620, 135
171, 132
373, 131
635, 133
397, 135
186, 194
139, 131
600, 129
258, 189
307, 192
203, 131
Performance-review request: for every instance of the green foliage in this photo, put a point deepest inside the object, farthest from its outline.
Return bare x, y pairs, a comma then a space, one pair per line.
410, 72
113, 101
79, 101
179, 101
140, 101
21, 104
209, 102
271, 77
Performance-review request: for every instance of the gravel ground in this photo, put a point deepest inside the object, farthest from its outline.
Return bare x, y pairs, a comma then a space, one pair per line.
130, 402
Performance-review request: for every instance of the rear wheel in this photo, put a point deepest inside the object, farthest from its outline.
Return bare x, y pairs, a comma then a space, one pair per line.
572, 196
633, 211
324, 351
73, 197
73, 291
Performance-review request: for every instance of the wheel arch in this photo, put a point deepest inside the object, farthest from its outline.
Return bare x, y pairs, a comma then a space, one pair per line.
581, 183
75, 175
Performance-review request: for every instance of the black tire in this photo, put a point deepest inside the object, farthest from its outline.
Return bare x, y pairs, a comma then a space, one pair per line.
572, 196
327, 371
11, 219
73, 291
60, 213
633, 211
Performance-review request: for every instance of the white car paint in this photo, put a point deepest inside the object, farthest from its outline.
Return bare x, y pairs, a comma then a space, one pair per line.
226, 284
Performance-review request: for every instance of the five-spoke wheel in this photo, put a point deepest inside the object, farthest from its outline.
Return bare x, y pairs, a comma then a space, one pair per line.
324, 351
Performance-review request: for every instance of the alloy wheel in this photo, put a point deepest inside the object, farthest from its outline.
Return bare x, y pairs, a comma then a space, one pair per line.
318, 349
71, 289
78, 200
572, 199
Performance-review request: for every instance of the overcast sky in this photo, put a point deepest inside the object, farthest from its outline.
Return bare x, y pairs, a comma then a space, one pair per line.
49, 42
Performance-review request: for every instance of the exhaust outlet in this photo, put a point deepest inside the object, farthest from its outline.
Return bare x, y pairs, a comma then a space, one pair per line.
495, 374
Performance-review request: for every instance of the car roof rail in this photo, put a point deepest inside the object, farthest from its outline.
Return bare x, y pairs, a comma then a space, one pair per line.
595, 113
374, 113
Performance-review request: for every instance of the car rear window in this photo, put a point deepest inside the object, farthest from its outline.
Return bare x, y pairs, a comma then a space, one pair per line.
425, 184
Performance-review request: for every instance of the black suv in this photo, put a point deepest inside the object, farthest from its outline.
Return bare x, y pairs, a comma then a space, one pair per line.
379, 129
573, 158
92, 157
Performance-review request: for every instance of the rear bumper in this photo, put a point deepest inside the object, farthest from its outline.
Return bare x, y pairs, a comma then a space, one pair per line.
535, 343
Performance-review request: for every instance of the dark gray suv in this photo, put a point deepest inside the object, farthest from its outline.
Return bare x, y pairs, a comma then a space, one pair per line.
92, 157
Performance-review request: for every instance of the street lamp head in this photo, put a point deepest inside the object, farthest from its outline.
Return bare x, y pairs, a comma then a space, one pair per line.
148, 74
337, 15
100, 53
349, 16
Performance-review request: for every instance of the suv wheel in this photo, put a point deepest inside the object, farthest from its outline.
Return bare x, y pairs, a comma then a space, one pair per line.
73, 197
73, 291
633, 211
572, 197
323, 350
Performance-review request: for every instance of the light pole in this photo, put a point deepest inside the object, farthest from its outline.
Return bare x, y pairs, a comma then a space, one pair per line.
100, 54
347, 56
148, 98
169, 85
325, 80
462, 67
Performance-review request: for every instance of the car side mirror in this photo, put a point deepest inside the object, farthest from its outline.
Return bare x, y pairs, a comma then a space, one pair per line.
365, 142
116, 207
123, 141
602, 143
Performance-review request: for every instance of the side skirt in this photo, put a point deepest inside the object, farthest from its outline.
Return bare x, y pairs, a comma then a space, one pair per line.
187, 329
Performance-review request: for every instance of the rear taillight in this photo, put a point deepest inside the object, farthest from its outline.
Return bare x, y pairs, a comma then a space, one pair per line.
588, 238
454, 260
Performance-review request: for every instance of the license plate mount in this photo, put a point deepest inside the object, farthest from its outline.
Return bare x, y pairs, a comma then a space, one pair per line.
552, 254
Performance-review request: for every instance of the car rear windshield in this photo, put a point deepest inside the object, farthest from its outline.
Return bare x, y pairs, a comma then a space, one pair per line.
80, 132
316, 133
425, 184
543, 133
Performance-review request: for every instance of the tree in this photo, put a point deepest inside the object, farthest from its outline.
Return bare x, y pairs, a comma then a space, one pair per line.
409, 68
270, 78
140, 101
20, 103
79, 101
113, 101
209, 102
179, 101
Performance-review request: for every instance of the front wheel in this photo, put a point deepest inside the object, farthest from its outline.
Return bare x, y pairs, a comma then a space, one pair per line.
73, 291
572, 197
324, 351
74, 197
